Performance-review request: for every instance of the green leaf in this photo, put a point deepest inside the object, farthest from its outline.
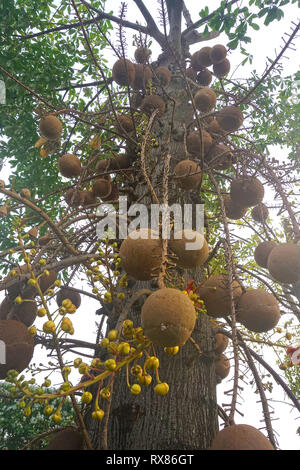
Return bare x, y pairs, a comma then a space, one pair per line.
263, 12
204, 12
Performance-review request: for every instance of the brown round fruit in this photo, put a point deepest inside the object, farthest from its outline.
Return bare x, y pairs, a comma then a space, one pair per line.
189, 256
247, 192
258, 310
214, 128
262, 252
168, 317
19, 346
284, 263
191, 73
201, 59
241, 437
69, 165
218, 53
205, 100
230, 118
215, 294
119, 162
51, 127
103, 166
44, 240
33, 232
193, 142
124, 124
68, 439
45, 282
188, 174
123, 72
74, 197
233, 210
162, 75
141, 257
136, 101
3, 211
151, 103
67, 293
20, 288
204, 77
5, 308
222, 69
116, 163
25, 312
101, 187
221, 343
142, 55
25, 192
219, 157
113, 195
260, 213
222, 366
88, 198
143, 75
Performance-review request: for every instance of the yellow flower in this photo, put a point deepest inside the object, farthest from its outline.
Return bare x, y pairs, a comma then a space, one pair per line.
135, 389
161, 389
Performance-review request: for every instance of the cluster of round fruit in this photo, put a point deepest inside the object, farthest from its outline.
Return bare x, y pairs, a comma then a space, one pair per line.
69, 165
246, 192
256, 309
141, 252
229, 119
139, 76
206, 142
141, 258
215, 56
282, 260
222, 364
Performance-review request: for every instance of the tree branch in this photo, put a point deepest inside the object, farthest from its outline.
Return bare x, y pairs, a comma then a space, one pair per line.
65, 27
285, 47
115, 19
40, 98
187, 16
266, 365
49, 221
264, 401
59, 265
194, 36
84, 85
175, 17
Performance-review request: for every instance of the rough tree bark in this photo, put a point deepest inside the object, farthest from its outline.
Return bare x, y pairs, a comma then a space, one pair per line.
186, 418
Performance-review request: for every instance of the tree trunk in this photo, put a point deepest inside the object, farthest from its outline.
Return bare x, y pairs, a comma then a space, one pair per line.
186, 418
